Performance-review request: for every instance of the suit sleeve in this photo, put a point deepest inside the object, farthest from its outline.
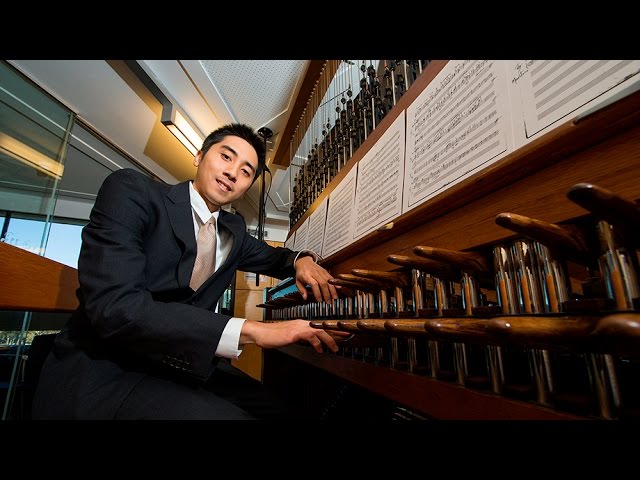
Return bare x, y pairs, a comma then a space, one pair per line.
260, 257
114, 291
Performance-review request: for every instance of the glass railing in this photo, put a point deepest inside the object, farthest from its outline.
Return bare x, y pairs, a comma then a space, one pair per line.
34, 135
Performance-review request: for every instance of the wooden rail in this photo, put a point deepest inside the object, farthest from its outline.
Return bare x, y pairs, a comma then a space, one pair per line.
436, 399
34, 283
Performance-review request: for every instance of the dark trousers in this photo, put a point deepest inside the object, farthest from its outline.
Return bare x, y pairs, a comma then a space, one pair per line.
229, 394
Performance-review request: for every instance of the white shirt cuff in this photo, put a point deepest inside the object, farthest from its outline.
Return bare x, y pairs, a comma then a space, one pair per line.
230, 339
313, 254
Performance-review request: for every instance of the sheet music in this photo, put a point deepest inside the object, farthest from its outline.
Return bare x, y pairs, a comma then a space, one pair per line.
290, 242
338, 232
315, 236
550, 90
457, 124
301, 236
380, 179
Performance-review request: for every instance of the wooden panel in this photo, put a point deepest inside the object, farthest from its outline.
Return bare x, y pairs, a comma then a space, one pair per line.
247, 281
247, 296
274, 281
250, 361
436, 399
34, 283
245, 305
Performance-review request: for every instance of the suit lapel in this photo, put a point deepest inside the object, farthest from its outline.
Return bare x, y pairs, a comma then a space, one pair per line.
178, 206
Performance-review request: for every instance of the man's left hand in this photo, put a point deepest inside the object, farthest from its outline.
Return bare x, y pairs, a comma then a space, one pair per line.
308, 272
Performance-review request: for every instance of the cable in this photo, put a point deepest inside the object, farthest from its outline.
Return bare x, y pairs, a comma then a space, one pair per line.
266, 196
265, 133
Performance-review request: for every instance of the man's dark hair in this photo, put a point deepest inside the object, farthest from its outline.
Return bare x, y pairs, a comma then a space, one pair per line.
238, 130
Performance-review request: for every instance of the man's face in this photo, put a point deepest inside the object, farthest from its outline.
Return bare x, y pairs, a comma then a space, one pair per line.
226, 172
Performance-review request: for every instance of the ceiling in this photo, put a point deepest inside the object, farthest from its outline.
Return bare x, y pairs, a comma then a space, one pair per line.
121, 101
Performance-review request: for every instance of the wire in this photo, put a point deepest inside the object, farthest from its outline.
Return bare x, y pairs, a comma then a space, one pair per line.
264, 206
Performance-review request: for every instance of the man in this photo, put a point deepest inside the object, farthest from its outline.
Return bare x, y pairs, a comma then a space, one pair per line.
146, 341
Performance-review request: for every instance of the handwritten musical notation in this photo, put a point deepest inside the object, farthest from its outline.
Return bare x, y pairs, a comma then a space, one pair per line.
551, 90
315, 236
338, 231
456, 125
380, 177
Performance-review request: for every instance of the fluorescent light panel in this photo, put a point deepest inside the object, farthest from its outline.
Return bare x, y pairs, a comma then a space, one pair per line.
181, 128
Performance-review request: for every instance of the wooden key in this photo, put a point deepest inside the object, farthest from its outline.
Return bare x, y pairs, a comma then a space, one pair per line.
349, 325
473, 261
623, 214
397, 279
345, 292
330, 325
353, 285
465, 330
372, 325
364, 281
295, 296
618, 334
284, 301
437, 269
409, 327
568, 241
544, 331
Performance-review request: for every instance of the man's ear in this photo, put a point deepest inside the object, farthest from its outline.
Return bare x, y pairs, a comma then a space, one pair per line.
197, 158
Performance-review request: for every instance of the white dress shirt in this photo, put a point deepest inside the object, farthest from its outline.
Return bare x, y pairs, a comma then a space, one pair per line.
230, 339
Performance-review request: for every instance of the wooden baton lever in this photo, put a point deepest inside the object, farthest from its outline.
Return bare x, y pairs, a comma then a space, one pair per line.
623, 214
363, 281
437, 269
353, 285
464, 260
567, 240
618, 334
471, 330
396, 279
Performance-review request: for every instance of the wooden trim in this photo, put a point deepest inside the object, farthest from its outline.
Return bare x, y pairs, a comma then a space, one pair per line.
287, 141
436, 399
34, 283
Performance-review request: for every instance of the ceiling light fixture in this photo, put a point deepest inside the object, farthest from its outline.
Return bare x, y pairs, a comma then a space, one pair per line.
181, 128
30, 156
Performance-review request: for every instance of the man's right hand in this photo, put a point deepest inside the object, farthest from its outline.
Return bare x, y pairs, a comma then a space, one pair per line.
280, 334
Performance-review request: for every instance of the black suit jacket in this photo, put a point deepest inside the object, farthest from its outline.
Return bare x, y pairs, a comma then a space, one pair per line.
137, 313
